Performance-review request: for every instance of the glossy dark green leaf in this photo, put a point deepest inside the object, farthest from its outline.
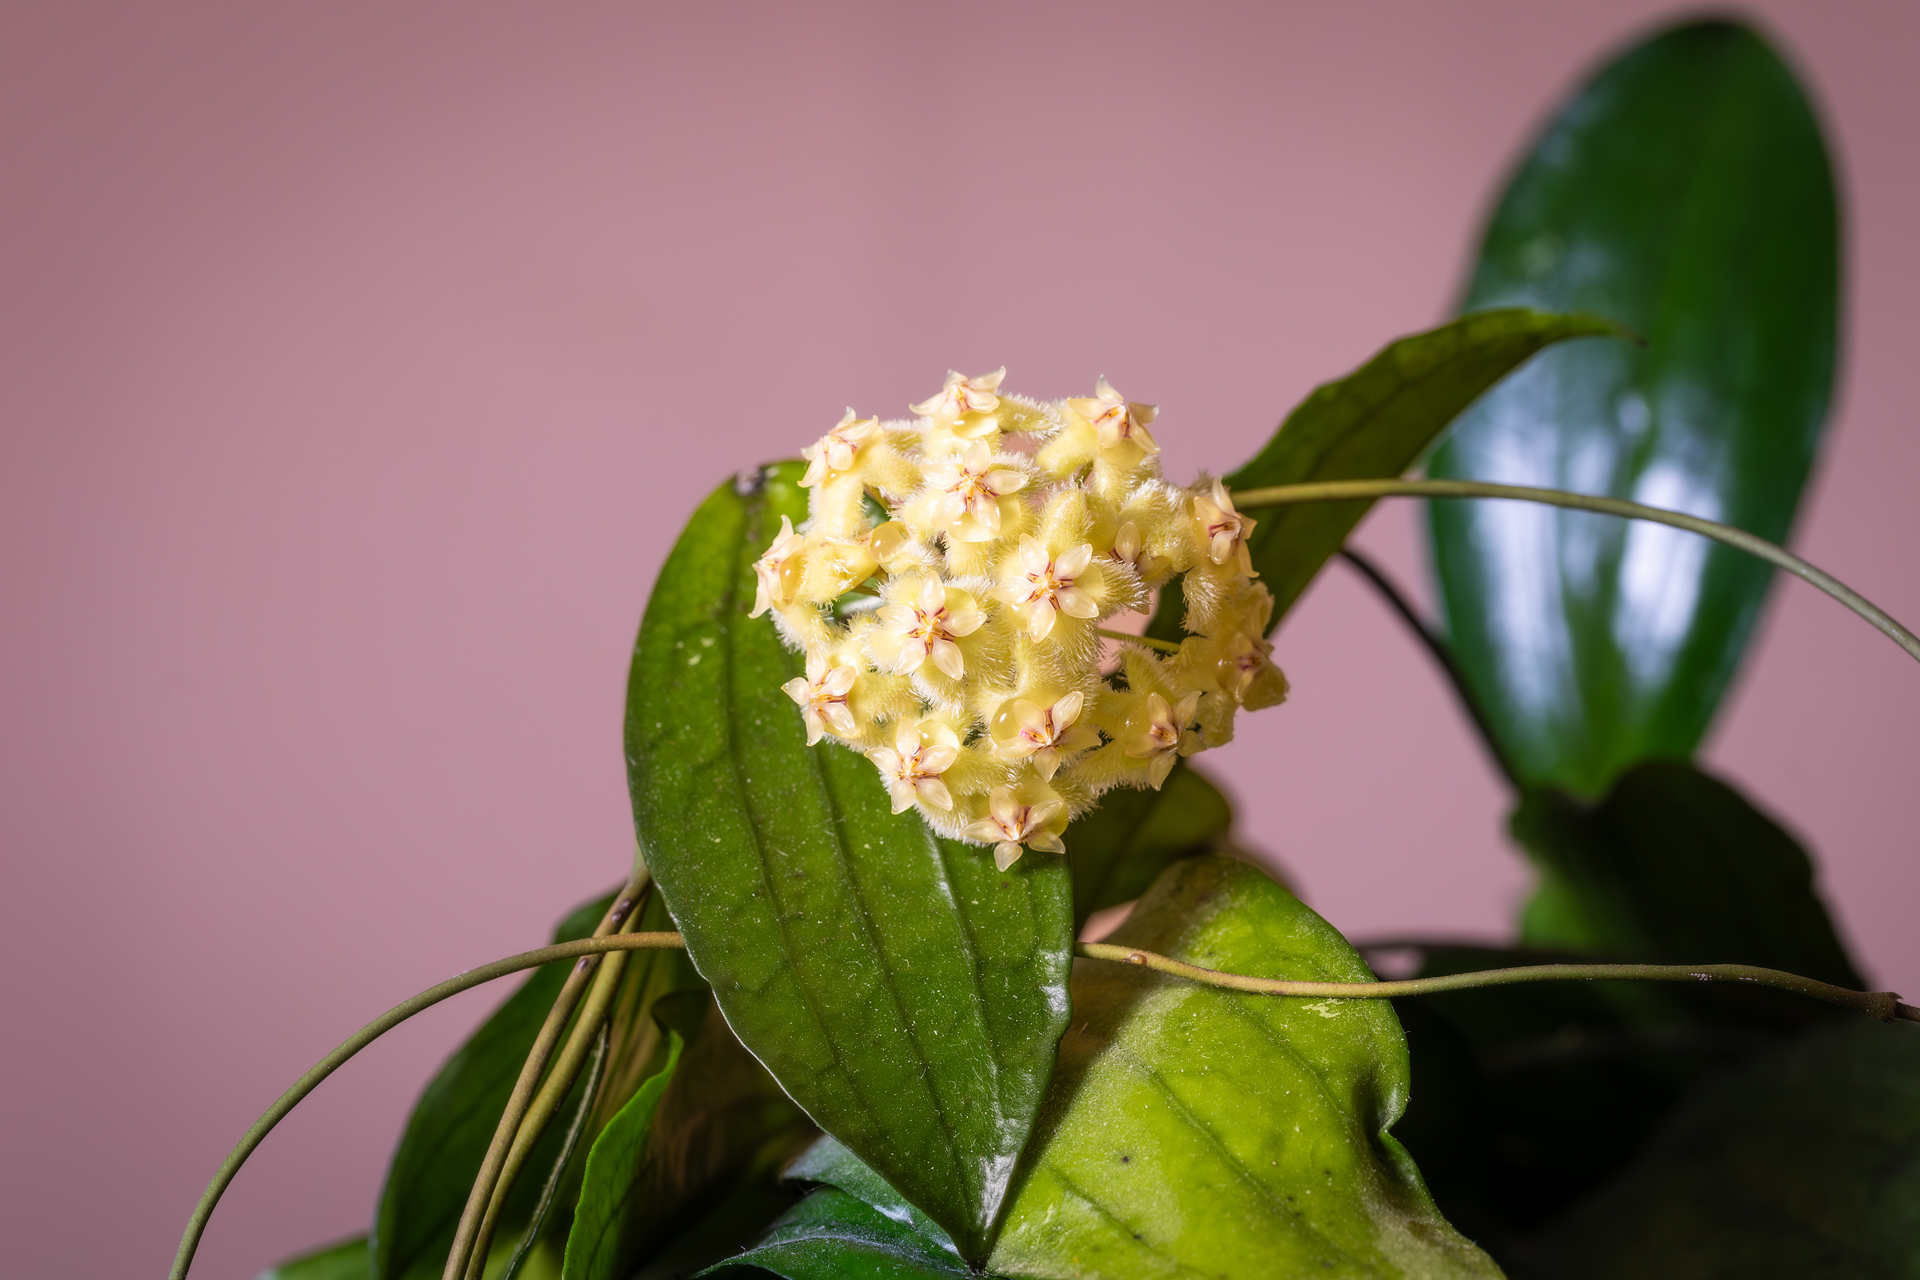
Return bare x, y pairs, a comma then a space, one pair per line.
1196, 1131
832, 1235
902, 991
447, 1135
348, 1260
687, 1137
1122, 847
1685, 192
828, 1163
1805, 1166
1374, 424
1675, 866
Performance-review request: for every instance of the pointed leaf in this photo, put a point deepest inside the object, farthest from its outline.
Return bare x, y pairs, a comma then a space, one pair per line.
612, 1171
636, 1049
828, 1163
701, 1125
1196, 1131
1122, 847
347, 1260
1686, 193
447, 1135
902, 991
1374, 424
832, 1235
1675, 866
1806, 1166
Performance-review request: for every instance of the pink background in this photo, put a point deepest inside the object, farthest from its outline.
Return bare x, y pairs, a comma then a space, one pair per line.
361, 361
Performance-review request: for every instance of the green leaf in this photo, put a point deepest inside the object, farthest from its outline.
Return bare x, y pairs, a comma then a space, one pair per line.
902, 991
447, 1135
637, 1047
828, 1163
1122, 847
832, 1235
612, 1171
1196, 1131
1686, 192
1374, 424
681, 1145
348, 1260
1675, 866
1806, 1166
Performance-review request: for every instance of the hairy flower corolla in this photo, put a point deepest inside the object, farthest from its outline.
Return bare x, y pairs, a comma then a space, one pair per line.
1224, 529
1040, 586
835, 451
1118, 423
922, 750
1015, 818
1042, 733
947, 588
963, 397
822, 695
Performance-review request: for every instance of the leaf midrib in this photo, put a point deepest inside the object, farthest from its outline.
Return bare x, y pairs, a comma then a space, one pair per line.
823, 787
1227, 1155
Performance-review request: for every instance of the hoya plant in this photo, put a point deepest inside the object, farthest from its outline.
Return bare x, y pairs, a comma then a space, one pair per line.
909, 711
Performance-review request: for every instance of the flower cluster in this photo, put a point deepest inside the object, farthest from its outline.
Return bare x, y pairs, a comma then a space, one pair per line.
948, 588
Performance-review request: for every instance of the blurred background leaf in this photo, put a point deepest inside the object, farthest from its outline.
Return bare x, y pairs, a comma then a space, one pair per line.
1686, 192
595, 1240
1674, 866
1804, 1166
1527, 1099
902, 991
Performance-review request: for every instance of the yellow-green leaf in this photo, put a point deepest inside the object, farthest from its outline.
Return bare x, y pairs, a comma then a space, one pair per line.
1193, 1131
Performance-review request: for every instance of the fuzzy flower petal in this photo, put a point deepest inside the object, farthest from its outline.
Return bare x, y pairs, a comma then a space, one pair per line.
1224, 529
834, 452
911, 768
822, 695
969, 490
961, 396
1015, 819
777, 573
1042, 587
1117, 421
909, 635
1164, 736
1026, 730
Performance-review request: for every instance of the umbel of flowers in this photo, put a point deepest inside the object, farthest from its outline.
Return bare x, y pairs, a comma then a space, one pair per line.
948, 589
